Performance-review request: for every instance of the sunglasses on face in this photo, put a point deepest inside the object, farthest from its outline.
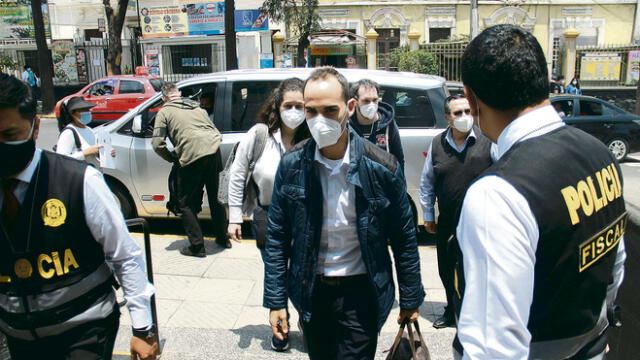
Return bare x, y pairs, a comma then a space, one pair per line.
459, 112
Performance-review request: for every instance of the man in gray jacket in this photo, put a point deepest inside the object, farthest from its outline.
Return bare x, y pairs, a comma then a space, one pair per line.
196, 141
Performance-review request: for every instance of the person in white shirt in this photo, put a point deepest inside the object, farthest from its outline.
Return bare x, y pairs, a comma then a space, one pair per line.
75, 116
62, 239
540, 233
282, 121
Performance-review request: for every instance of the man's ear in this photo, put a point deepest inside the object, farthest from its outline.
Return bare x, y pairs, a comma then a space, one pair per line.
471, 97
351, 106
36, 127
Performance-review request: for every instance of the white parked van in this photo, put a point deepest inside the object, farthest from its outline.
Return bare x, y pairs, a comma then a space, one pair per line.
139, 179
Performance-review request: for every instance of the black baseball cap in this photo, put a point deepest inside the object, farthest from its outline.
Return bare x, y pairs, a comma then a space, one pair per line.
78, 103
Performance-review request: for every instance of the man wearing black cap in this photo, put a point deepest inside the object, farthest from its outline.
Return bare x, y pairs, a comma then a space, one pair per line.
62, 238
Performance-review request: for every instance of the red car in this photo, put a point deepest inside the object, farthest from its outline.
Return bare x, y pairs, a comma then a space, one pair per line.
115, 95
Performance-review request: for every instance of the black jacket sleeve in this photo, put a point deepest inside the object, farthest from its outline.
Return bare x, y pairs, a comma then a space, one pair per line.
395, 143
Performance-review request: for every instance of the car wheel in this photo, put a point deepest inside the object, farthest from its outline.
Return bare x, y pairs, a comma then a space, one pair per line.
619, 148
123, 199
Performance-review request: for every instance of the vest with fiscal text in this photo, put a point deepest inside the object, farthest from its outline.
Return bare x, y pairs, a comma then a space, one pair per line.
573, 186
454, 171
52, 270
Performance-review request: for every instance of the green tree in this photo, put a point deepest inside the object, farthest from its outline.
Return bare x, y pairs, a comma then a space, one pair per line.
7, 63
418, 61
299, 16
115, 23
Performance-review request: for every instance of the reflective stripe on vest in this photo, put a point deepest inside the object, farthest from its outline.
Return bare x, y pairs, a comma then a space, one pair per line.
566, 348
52, 299
98, 311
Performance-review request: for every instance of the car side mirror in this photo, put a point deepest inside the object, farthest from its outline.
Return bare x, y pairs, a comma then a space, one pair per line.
136, 127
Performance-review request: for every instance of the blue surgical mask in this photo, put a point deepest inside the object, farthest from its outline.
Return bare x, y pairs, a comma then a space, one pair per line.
85, 117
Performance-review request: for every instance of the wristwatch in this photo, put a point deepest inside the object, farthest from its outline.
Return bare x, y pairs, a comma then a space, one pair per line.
145, 334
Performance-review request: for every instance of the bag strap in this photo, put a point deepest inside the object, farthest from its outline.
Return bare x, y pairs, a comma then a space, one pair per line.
412, 341
262, 132
423, 344
396, 342
76, 137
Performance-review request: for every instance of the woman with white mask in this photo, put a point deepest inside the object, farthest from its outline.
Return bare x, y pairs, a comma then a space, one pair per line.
281, 120
76, 138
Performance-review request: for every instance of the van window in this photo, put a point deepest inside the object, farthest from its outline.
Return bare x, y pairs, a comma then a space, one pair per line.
246, 99
412, 107
131, 87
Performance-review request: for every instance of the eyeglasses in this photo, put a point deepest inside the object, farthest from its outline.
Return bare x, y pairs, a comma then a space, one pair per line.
459, 112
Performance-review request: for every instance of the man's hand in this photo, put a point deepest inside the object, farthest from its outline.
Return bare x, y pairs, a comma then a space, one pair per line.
430, 227
411, 314
279, 323
144, 349
235, 232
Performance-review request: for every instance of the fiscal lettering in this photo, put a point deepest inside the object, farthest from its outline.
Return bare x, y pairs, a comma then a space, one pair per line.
599, 245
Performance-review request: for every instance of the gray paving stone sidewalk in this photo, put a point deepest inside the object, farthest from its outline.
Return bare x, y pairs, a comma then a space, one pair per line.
211, 308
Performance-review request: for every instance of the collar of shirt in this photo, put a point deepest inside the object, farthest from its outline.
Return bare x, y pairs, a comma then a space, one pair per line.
277, 137
534, 123
27, 174
334, 166
452, 142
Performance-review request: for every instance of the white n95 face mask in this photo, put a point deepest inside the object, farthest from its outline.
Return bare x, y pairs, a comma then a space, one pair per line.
369, 111
325, 132
463, 123
292, 117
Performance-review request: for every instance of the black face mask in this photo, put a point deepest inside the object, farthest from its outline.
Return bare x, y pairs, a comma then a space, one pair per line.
16, 155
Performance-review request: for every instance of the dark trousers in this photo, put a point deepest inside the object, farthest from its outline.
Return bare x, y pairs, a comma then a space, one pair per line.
90, 341
343, 322
191, 180
445, 263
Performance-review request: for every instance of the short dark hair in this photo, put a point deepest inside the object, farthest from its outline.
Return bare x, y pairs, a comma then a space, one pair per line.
450, 98
506, 68
325, 72
16, 94
168, 88
364, 83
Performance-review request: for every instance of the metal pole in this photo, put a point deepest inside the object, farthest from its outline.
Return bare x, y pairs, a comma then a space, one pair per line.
474, 19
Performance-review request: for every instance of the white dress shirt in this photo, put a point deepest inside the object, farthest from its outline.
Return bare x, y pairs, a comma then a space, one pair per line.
264, 173
108, 227
66, 144
340, 253
498, 235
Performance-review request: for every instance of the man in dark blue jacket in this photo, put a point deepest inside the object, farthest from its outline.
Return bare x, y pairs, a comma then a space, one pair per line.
337, 199
375, 120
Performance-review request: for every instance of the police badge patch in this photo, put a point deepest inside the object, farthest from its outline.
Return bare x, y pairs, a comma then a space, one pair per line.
53, 213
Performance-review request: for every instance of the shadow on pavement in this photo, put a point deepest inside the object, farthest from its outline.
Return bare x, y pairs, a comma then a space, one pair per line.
263, 334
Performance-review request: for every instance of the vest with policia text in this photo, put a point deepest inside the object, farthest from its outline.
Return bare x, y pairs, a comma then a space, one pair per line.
574, 189
53, 276
455, 171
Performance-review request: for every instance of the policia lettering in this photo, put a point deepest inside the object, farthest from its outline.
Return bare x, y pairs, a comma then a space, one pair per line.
48, 266
585, 197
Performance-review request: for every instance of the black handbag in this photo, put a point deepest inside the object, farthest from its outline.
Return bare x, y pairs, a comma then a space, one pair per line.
406, 346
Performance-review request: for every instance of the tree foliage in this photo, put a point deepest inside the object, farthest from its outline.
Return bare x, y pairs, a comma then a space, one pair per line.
115, 23
418, 61
7, 63
299, 16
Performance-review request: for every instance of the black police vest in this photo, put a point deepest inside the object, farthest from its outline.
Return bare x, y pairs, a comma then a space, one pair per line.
455, 171
51, 269
573, 186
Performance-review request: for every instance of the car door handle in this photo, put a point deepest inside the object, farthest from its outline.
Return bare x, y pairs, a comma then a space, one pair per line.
141, 98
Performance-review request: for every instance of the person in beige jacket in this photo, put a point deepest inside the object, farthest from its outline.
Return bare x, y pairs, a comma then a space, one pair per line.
196, 141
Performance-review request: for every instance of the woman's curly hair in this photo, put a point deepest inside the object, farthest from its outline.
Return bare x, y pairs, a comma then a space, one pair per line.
269, 113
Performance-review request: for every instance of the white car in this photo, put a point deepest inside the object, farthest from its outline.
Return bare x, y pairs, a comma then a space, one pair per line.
139, 179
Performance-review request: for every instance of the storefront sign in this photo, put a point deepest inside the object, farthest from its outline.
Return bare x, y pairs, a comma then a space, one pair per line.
152, 61
266, 61
331, 50
16, 21
64, 62
81, 66
633, 67
600, 67
160, 18
251, 20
